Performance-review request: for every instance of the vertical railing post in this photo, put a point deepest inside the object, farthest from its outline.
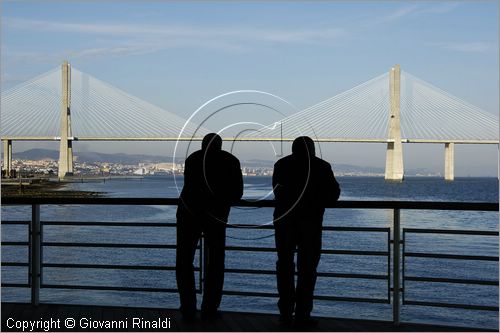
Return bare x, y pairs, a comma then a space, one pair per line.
35, 254
205, 260
395, 270
202, 264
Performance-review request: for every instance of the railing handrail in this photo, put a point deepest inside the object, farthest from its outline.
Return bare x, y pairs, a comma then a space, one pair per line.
370, 204
36, 243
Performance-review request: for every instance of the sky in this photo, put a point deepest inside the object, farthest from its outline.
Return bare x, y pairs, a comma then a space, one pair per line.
178, 55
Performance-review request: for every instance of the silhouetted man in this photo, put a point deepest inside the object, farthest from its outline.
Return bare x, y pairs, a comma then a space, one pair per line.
303, 185
212, 183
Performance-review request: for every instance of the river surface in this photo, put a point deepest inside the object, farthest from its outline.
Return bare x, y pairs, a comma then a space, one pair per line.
353, 188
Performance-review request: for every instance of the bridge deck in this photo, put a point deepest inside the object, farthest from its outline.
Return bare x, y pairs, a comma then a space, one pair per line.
228, 321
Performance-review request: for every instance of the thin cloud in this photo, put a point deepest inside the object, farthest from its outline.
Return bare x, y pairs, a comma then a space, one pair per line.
13, 57
401, 12
442, 8
180, 31
111, 39
91, 28
468, 47
413, 10
84, 53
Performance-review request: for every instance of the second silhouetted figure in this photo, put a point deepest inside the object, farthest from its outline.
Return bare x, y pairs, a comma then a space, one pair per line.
303, 185
212, 183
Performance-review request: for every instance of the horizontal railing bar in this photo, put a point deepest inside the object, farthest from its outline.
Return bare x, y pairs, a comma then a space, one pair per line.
322, 274
317, 297
431, 205
449, 256
357, 253
41, 200
15, 243
232, 226
109, 224
227, 270
15, 264
109, 288
15, 222
228, 248
15, 285
447, 280
250, 249
112, 245
248, 293
355, 276
15, 200
452, 305
325, 228
250, 226
352, 299
446, 231
250, 271
361, 229
104, 266
325, 251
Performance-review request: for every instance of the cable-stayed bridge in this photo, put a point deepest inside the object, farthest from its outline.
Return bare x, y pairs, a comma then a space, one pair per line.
427, 114
67, 105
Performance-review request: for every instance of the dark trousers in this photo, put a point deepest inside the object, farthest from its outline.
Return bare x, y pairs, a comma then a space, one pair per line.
189, 230
306, 238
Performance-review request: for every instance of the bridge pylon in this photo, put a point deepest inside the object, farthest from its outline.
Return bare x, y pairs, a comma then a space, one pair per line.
449, 166
66, 143
7, 157
394, 169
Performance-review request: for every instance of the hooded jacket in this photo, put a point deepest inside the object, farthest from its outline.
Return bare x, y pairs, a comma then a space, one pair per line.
303, 184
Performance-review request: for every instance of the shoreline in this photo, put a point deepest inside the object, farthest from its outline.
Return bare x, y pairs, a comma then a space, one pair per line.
44, 188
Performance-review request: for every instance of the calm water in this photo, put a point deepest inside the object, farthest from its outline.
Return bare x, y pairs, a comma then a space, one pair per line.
353, 188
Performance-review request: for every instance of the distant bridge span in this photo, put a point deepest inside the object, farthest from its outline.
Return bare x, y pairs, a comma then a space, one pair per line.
391, 109
248, 139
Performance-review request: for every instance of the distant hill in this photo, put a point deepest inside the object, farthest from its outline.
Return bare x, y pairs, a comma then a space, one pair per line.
39, 154
122, 158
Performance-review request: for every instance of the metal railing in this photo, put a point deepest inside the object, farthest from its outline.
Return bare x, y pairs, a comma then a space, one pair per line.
448, 256
397, 275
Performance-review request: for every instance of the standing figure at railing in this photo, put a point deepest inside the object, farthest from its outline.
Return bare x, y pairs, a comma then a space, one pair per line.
303, 185
212, 183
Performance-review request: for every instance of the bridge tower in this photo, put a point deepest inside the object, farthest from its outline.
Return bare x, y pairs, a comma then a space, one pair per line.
394, 157
7, 157
66, 143
449, 157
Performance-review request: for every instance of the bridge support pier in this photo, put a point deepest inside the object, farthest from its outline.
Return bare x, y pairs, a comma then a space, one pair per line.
66, 144
394, 169
7, 157
449, 161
